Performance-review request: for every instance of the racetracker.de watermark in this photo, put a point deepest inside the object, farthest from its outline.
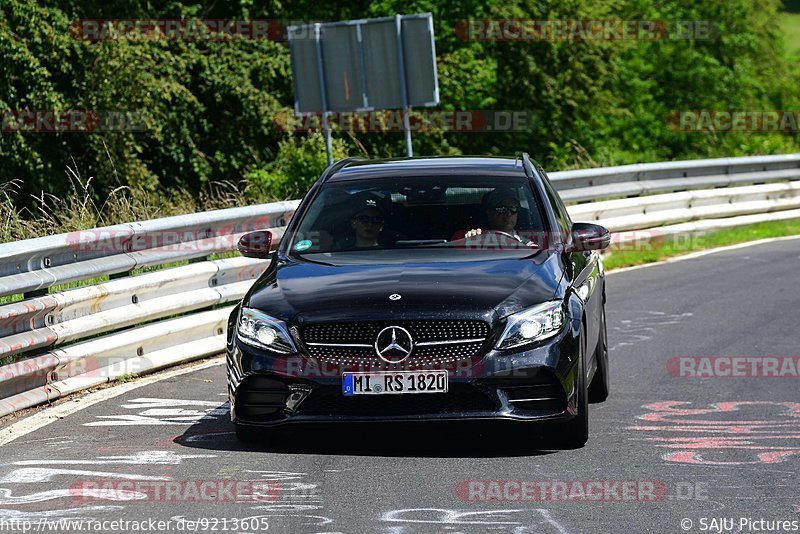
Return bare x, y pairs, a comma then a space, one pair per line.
177, 29
75, 120
119, 240
204, 491
567, 30
420, 121
734, 367
578, 491
734, 121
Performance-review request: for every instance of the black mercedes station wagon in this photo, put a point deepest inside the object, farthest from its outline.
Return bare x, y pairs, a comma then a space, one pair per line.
417, 289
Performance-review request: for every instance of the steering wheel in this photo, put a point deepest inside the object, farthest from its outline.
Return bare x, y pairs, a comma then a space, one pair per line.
506, 234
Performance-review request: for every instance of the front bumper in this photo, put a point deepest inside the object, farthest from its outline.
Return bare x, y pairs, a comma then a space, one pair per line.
536, 384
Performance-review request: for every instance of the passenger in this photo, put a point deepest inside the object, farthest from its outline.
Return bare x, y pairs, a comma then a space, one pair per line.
367, 221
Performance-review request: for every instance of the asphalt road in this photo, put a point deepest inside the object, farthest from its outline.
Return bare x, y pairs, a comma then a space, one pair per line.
666, 453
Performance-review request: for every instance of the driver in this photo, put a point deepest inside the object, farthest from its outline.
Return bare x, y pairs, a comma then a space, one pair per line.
501, 208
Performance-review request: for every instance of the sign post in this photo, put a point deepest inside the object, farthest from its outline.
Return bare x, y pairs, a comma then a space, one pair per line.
364, 65
323, 97
401, 69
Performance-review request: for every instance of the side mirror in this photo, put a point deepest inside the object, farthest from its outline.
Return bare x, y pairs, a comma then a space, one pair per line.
256, 244
587, 236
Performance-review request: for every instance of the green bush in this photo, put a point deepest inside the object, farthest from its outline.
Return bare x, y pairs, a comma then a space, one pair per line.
299, 163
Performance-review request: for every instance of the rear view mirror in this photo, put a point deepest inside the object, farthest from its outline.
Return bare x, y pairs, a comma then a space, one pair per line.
256, 244
587, 236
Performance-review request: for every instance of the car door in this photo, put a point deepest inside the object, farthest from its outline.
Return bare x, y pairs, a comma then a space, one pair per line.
585, 268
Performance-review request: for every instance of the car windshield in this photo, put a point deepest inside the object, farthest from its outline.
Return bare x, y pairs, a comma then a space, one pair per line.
421, 216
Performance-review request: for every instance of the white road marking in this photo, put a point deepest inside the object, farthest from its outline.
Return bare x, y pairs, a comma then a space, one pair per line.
642, 328
46, 416
139, 458
156, 414
138, 420
166, 404
29, 475
503, 519
6, 497
549, 518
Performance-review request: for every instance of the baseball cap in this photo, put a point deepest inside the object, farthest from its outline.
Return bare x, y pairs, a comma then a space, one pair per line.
367, 200
493, 198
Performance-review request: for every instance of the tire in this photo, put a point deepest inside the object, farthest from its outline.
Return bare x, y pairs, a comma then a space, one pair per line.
599, 388
574, 433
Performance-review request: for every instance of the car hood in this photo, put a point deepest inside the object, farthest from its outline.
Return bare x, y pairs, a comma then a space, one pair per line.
304, 293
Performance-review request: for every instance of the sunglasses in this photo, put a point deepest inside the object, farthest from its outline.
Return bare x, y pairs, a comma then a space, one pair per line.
502, 210
364, 219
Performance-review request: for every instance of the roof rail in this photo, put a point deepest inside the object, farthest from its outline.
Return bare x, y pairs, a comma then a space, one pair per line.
526, 164
336, 166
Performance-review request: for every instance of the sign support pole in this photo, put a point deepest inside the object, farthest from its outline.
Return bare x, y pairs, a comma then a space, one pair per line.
327, 129
403, 89
321, 72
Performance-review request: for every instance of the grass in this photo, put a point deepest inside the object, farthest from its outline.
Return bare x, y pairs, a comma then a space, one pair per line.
8, 299
127, 377
49, 214
649, 252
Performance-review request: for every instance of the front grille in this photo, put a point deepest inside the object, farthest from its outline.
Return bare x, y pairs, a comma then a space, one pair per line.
420, 357
422, 331
462, 340
329, 400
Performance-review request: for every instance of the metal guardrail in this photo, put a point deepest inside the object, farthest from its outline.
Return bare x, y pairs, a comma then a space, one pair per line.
123, 325
73, 339
656, 210
651, 178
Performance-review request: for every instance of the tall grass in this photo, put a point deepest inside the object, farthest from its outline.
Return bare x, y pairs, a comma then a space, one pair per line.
48, 214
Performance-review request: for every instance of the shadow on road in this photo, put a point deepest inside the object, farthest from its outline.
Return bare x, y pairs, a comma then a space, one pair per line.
418, 440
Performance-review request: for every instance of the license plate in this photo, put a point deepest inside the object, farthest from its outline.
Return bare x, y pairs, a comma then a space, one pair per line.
394, 383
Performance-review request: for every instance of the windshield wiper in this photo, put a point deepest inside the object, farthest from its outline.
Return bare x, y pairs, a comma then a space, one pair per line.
419, 242
318, 262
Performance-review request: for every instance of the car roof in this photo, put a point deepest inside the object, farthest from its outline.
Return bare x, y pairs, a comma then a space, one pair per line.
429, 166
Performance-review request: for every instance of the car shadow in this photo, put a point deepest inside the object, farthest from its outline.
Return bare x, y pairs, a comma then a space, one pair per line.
418, 440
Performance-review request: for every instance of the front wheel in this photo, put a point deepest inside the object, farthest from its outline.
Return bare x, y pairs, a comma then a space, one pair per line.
574, 433
599, 388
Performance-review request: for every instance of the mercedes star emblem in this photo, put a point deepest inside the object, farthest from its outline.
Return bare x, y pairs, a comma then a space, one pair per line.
394, 344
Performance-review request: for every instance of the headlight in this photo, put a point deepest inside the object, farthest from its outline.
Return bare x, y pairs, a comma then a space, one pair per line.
260, 330
534, 324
